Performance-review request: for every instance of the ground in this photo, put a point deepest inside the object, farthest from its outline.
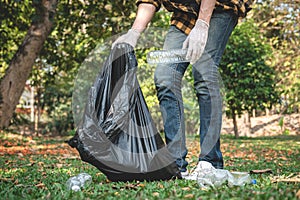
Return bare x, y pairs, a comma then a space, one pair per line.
38, 168
266, 125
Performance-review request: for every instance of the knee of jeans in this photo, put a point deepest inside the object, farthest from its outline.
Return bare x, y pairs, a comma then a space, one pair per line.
205, 93
163, 89
163, 77
201, 88
208, 86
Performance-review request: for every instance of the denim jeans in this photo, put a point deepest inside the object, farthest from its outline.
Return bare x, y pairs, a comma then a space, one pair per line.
168, 81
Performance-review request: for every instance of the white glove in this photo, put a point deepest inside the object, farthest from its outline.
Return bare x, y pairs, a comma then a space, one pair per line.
131, 37
196, 41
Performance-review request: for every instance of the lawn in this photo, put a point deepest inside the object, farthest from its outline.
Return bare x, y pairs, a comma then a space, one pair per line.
38, 168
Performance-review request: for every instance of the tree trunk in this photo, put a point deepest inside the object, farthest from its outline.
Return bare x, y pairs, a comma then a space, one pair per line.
235, 126
32, 104
247, 122
267, 112
253, 113
38, 110
12, 84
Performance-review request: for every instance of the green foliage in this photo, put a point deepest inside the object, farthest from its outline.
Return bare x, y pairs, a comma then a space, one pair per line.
80, 25
15, 18
249, 80
279, 22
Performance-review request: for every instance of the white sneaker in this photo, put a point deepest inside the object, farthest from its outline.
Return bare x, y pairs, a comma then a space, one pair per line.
185, 174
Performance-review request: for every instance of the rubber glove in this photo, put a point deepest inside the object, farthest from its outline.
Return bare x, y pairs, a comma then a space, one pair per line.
131, 37
196, 41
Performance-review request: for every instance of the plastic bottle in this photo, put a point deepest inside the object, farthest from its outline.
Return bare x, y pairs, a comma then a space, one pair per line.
217, 177
75, 183
167, 56
239, 178
208, 176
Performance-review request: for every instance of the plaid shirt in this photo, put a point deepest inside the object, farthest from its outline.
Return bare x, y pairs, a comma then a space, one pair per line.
185, 14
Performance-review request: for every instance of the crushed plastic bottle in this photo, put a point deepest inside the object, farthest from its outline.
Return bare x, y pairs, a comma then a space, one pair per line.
167, 56
75, 183
208, 176
212, 178
238, 179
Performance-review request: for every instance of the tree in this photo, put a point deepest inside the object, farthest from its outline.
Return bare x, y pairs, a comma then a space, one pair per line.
278, 21
12, 84
78, 27
249, 81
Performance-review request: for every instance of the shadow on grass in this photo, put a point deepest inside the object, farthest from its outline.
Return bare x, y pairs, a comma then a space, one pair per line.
277, 137
232, 137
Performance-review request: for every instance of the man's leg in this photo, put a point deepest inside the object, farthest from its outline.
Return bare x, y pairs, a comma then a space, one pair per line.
168, 78
207, 85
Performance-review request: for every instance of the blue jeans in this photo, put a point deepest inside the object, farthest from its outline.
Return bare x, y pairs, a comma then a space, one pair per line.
168, 78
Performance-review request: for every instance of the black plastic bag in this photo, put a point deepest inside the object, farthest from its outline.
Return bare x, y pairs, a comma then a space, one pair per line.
117, 134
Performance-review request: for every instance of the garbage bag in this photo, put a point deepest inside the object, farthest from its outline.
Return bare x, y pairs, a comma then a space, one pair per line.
117, 134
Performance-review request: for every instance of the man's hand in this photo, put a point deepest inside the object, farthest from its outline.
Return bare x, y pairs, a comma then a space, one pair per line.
144, 15
196, 41
131, 37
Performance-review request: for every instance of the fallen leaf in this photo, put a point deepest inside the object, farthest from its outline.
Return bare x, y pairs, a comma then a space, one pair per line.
283, 158
48, 196
20, 155
141, 185
155, 194
6, 179
289, 179
16, 182
189, 196
59, 165
261, 171
40, 185
117, 194
298, 194
19, 185
186, 188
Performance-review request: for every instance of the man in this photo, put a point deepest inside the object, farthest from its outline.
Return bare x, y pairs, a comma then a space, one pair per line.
203, 28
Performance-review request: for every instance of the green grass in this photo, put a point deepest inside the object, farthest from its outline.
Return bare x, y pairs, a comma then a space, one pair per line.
32, 175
